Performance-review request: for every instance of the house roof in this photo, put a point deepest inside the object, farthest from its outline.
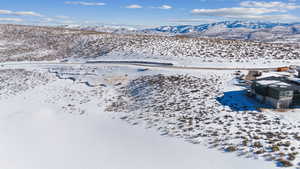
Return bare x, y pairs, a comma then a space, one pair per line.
279, 83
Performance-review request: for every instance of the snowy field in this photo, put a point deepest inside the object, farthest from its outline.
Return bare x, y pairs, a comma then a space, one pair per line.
39, 134
50, 43
118, 117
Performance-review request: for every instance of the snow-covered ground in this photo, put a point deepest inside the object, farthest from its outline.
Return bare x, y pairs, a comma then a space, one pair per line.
71, 115
78, 116
38, 135
38, 130
49, 43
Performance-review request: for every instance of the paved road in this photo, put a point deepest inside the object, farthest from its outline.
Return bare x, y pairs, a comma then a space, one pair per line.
143, 64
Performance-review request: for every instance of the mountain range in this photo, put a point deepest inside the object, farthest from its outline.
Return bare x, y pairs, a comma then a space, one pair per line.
225, 25
244, 30
238, 30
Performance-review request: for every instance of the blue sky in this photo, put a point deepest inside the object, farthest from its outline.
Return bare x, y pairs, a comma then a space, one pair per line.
145, 12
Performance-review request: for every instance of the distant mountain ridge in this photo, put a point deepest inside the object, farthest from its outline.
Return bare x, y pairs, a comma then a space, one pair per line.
226, 24
239, 30
244, 30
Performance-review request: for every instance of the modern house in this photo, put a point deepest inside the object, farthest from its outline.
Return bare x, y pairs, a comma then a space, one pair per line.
279, 92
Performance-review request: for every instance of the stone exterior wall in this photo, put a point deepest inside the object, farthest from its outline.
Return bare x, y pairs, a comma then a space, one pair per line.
279, 103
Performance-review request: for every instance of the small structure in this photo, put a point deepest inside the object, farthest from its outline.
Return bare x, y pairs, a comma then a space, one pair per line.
282, 69
280, 92
295, 68
298, 70
252, 75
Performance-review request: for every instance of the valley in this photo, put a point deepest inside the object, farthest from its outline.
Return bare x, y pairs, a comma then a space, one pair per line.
89, 99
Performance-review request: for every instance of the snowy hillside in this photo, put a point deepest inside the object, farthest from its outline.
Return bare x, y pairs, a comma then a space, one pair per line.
74, 99
225, 24
120, 29
232, 29
105, 116
49, 43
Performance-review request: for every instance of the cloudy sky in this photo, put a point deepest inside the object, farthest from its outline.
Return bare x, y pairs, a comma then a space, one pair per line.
145, 12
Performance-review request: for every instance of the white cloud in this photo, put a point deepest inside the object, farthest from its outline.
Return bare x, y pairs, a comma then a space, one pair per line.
197, 20
66, 22
134, 6
85, 3
277, 18
21, 13
253, 10
5, 12
224, 12
47, 20
27, 13
165, 7
54, 20
283, 18
62, 17
273, 4
11, 19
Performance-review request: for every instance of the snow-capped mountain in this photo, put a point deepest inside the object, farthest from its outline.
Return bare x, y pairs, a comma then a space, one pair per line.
235, 30
241, 30
109, 28
225, 24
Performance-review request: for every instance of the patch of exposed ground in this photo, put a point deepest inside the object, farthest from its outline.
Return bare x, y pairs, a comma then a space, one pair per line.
74, 98
13, 81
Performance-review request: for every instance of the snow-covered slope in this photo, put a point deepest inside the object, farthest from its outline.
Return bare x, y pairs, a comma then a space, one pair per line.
232, 29
76, 119
37, 134
48, 43
226, 24
225, 30
74, 115
105, 28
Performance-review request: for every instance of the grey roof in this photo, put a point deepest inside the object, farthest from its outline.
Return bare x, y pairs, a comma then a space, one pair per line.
278, 83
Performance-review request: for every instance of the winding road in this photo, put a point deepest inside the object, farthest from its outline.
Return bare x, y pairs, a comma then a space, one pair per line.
140, 64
